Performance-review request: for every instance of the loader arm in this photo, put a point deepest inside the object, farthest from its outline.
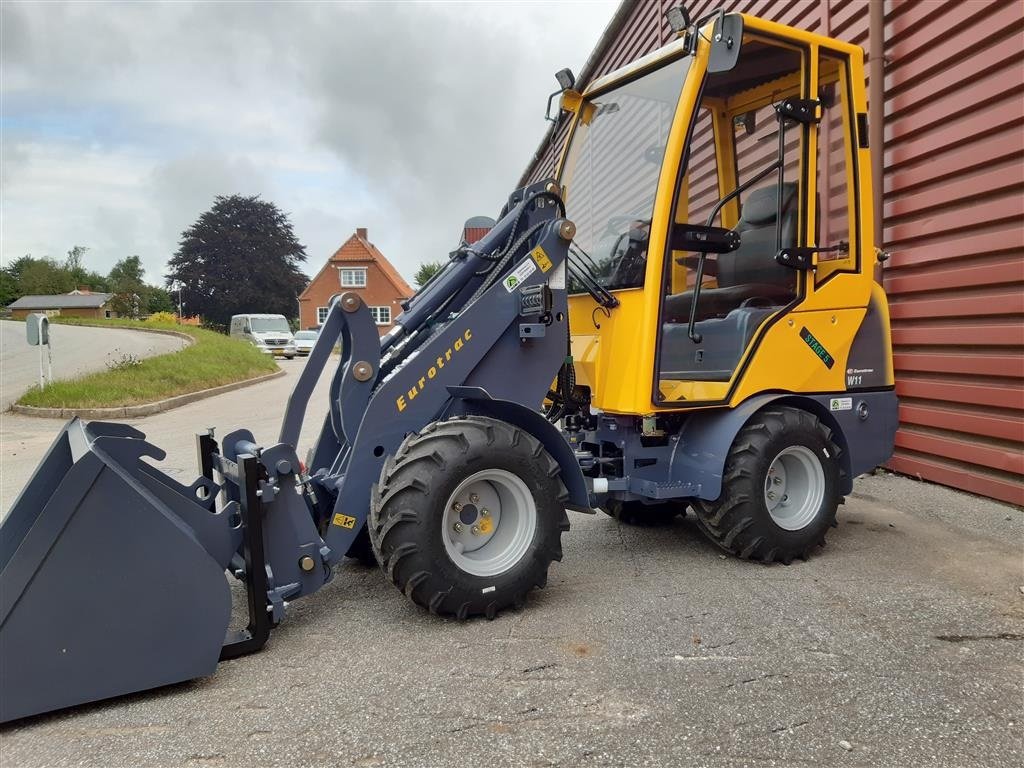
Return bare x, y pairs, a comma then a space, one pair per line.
279, 527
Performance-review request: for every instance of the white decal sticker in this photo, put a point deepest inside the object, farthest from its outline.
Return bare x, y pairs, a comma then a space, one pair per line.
841, 404
485, 590
523, 271
557, 278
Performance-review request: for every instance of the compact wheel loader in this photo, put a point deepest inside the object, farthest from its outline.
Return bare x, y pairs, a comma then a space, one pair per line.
685, 318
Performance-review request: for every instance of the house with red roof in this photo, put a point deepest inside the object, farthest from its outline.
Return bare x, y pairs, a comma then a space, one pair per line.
359, 267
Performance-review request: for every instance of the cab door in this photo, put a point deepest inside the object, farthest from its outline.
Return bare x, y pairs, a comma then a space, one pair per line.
746, 170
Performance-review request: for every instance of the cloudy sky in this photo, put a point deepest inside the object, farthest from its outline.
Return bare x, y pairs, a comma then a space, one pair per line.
122, 121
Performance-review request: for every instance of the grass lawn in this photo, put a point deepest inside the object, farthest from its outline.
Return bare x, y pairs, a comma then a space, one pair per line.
213, 359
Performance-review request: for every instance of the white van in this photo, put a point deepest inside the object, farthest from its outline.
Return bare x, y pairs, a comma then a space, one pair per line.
270, 333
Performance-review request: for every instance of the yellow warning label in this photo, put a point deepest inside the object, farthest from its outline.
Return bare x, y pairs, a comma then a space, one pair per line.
541, 257
345, 521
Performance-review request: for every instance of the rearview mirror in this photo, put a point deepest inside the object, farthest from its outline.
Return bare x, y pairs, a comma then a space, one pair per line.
726, 39
701, 239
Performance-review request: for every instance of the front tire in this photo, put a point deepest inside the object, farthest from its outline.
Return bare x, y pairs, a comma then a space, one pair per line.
780, 489
468, 515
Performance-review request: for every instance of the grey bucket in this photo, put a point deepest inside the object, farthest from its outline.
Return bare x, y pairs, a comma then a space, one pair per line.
111, 575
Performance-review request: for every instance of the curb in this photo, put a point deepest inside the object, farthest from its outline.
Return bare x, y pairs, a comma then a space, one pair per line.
145, 409
189, 340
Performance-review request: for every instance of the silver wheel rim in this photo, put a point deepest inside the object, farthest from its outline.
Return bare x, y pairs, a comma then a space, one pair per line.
489, 522
794, 488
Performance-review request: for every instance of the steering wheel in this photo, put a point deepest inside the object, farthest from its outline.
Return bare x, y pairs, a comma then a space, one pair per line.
630, 267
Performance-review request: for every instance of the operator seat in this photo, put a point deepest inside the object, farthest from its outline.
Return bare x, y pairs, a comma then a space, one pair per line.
750, 273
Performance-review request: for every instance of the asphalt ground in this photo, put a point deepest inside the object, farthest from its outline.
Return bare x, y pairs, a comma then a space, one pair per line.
899, 644
76, 350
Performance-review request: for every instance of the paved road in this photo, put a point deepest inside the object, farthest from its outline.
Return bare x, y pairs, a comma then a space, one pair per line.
76, 350
904, 640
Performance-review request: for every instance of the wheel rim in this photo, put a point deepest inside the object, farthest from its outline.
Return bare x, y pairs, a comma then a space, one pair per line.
794, 488
489, 522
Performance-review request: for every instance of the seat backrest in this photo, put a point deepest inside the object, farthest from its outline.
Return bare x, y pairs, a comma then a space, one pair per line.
754, 261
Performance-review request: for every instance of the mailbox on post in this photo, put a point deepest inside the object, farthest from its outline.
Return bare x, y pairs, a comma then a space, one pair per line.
37, 331
37, 326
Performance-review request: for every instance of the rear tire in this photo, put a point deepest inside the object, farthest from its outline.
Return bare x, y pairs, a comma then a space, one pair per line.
644, 515
780, 488
468, 515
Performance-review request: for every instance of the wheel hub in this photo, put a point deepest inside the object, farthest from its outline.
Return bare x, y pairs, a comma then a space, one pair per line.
489, 522
794, 488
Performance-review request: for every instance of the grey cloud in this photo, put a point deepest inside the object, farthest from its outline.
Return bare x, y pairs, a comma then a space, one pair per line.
185, 187
430, 111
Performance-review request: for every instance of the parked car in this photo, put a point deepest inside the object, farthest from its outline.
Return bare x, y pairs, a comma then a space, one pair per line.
270, 333
304, 341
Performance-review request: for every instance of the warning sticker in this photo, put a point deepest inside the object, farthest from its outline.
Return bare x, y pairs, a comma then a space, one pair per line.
841, 404
345, 521
515, 279
542, 259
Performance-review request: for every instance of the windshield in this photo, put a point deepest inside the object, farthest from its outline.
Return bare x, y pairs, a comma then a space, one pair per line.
611, 173
305, 335
269, 325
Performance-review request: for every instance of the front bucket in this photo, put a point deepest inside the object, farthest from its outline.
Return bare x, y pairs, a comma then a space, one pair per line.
111, 575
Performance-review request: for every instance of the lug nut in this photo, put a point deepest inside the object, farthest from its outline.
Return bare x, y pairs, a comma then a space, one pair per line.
485, 513
777, 480
474, 497
457, 507
458, 527
475, 530
771, 495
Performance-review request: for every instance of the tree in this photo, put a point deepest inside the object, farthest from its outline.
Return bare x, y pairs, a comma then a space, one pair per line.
73, 261
126, 275
41, 276
426, 271
74, 265
158, 300
8, 287
125, 282
240, 256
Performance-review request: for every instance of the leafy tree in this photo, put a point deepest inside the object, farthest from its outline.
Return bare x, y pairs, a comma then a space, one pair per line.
426, 271
73, 261
240, 256
126, 275
8, 287
125, 281
74, 264
159, 300
41, 276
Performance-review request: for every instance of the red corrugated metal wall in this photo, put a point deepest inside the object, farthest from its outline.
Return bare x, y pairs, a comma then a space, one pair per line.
954, 217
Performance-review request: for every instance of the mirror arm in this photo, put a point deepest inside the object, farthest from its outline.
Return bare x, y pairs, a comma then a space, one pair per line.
547, 112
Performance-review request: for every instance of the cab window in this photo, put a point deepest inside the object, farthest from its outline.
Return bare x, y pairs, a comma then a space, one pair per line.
611, 173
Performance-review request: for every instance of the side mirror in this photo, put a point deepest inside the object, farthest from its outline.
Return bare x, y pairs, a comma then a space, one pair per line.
726, 39
749, 122
566, 80
698, 238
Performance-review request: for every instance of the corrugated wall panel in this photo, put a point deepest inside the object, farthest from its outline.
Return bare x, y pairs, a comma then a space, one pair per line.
954, 179
953, 190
